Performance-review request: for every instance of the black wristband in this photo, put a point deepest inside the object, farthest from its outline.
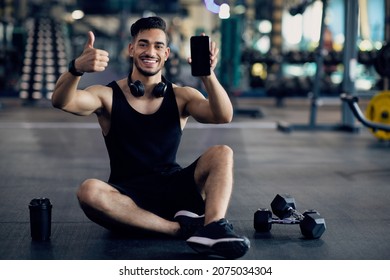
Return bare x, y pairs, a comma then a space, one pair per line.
72, 69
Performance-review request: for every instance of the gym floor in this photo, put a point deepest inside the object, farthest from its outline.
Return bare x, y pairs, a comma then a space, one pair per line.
345, 176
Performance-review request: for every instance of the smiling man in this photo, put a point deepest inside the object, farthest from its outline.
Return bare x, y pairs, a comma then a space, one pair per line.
142, 117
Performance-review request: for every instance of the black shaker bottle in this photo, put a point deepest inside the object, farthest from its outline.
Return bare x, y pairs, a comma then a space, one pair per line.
40, 218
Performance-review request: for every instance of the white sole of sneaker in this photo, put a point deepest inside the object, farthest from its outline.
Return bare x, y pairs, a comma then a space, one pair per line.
187, 214
211, 242
229, 248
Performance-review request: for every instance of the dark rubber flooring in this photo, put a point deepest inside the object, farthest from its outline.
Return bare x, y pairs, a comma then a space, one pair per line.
345, 176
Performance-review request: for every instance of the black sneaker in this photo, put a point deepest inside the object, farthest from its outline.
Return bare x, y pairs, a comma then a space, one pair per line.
218, 238
189, 222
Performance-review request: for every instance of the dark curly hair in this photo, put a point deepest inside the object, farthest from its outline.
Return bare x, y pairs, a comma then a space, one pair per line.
148, 23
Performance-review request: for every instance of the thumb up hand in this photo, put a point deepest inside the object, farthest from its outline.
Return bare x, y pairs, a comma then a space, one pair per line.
92, 60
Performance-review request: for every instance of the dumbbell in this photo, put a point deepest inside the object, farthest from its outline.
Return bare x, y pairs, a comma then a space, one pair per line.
312, 225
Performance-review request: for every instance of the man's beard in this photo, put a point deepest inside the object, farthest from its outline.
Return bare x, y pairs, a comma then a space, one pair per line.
144, 72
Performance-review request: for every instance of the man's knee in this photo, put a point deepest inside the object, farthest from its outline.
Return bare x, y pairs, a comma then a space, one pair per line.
219, 157
88, 191
221, 153
91, 199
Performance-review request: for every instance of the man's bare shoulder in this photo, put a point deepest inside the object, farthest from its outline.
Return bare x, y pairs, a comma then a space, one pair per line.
99, 89
104, 94
185, 92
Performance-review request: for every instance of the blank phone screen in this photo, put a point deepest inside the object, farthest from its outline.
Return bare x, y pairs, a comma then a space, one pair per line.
200, 55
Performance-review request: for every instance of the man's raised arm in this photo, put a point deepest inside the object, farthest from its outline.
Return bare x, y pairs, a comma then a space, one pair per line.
66, 96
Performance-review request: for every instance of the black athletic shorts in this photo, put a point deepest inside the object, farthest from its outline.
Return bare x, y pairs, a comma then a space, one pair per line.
165, 194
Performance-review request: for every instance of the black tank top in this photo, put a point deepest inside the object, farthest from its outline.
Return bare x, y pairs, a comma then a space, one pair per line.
140, 144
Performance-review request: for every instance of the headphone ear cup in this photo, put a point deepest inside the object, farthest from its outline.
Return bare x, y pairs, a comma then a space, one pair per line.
137, 88
159, 90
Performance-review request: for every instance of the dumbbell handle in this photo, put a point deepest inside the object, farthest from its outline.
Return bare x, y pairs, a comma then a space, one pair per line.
285, 221
297, 215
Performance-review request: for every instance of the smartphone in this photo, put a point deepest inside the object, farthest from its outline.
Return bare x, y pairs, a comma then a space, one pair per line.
200, 55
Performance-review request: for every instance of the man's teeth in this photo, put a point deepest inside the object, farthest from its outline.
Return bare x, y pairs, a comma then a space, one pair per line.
149, 61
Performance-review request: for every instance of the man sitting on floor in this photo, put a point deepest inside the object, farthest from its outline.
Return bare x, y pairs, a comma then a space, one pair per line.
142, 117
